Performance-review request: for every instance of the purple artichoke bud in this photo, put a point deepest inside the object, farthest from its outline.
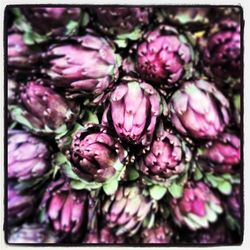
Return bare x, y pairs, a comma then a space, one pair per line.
105, 236
12, 91
225, 150
18, 51
95, 154
32, 233
234, 203
65, 208
197, 207
43, 110
167, 157
158, 234
162, 56
203, 121
121, 20
89, 65
53, 21
27, 156
125, 211
20, 205
222, 52
133, 111
192, 18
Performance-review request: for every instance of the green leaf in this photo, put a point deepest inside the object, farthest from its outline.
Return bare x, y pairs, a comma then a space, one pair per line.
202, 221
228, 177
133, 174
42, 215
17, 115
191, 224
212, 180
211, 215
215, 207
176, 190
28, 38
134, 35
110, 187
81, 184
225, 187
85, 19
197, 174
78, 185
71, 27
121, 43
90, 117
157, 192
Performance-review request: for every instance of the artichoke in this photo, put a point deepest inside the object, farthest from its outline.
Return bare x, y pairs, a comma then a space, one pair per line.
86, 65
20, 205
95, 154
160, 233
233, 202
197, 207
53, 21
163, 56
222, 54
28, 156
122, 23
104, 236
217, 233
125, 211
32, 234
195, 18
65, 208
203, 121
43, 110
18, 52
167, 157
224, 151
133, 111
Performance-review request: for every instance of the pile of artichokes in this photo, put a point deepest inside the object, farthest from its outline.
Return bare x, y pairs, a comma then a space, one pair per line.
124, 125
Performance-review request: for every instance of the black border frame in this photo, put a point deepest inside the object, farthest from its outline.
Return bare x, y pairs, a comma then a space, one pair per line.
5, 35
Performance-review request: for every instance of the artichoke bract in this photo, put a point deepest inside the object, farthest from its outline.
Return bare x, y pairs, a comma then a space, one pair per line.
28, 156
65, 208
133, 111
225, 150
95, 154
32, 233
159, 234
104, 236
199, 110
167, 157
12, 91
87, 64
125, 211
53, 21
44, 111
163, 56
197, 207
223, 50
20, 205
